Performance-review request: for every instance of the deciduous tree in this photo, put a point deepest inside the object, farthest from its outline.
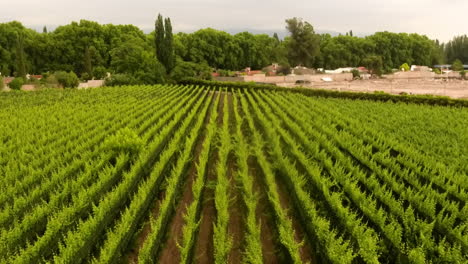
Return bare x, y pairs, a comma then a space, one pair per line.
303, 44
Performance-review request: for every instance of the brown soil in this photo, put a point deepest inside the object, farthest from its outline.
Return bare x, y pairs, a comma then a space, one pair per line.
236, 212
236, 216
453, 88
171, 252
204, 249
132, 256
270, 247
286, 204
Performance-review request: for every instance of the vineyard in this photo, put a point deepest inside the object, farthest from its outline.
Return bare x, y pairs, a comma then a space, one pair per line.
198, 174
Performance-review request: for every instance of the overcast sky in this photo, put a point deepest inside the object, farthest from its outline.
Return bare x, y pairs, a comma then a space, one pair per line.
437, 19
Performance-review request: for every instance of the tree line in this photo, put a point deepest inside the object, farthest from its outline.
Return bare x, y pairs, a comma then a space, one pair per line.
90, 50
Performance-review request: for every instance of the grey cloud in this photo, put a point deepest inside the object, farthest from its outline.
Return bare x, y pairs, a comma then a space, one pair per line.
435, 18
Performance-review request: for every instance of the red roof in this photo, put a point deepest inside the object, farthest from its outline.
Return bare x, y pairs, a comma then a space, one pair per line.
254, 72
36, 76
8, 80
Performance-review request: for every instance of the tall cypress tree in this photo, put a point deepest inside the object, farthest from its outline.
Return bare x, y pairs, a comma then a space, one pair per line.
159, 39
20, 56
169, 57
87, 62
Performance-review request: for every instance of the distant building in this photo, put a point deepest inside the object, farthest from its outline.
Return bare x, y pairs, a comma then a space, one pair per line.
7, 80
448, 66
420, 68
339, 70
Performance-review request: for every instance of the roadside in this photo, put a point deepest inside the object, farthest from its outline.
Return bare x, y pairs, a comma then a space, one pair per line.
456, 89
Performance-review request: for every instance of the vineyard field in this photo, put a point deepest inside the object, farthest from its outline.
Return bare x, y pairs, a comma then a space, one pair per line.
198, 174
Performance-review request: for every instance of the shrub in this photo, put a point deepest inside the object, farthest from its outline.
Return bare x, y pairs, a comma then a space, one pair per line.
457, 65
356, 74
124, 141
437, 71
50, 81
67, 80
283, 70
184, 69
2, 85
374, 64
463, 74
16, 83
120, 79
225, 73
85, 76
100, 72
405, 67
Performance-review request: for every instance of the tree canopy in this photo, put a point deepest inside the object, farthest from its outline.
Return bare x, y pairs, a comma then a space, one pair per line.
303, 44
91, 49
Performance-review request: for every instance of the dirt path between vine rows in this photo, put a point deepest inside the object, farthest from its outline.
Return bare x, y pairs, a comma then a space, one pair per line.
204, 248
171, 252
299, 234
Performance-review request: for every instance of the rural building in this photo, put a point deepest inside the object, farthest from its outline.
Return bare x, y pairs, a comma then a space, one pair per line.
448, 66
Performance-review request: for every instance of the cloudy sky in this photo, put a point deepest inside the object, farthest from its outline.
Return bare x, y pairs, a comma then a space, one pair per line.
437, 19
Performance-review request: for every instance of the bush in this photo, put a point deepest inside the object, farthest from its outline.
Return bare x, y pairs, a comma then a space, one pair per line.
463, 74
185, 69
50, 81
124, 141
100, 72
120, 79
67, 80
283, 70
2, 85
16, 83
374, 64
155, 73
356, 74
85, 76
457, 65
225, 73
437, 71
405, 67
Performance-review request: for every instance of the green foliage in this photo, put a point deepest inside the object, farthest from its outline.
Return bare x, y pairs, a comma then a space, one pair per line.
192, 216
85, 76
159, 36
457, 65
139, 65
84, 45
124, 141
376, 96
387, 191
356, 74
456, 49
100, 72
16, 83
404, 67
283, 70
67, 79
50, 81
437, 71
20, 56
226, 73
169, 55
463, 74
374, 64
120, 79
2, 84
186, 69
88, 64
303, 45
